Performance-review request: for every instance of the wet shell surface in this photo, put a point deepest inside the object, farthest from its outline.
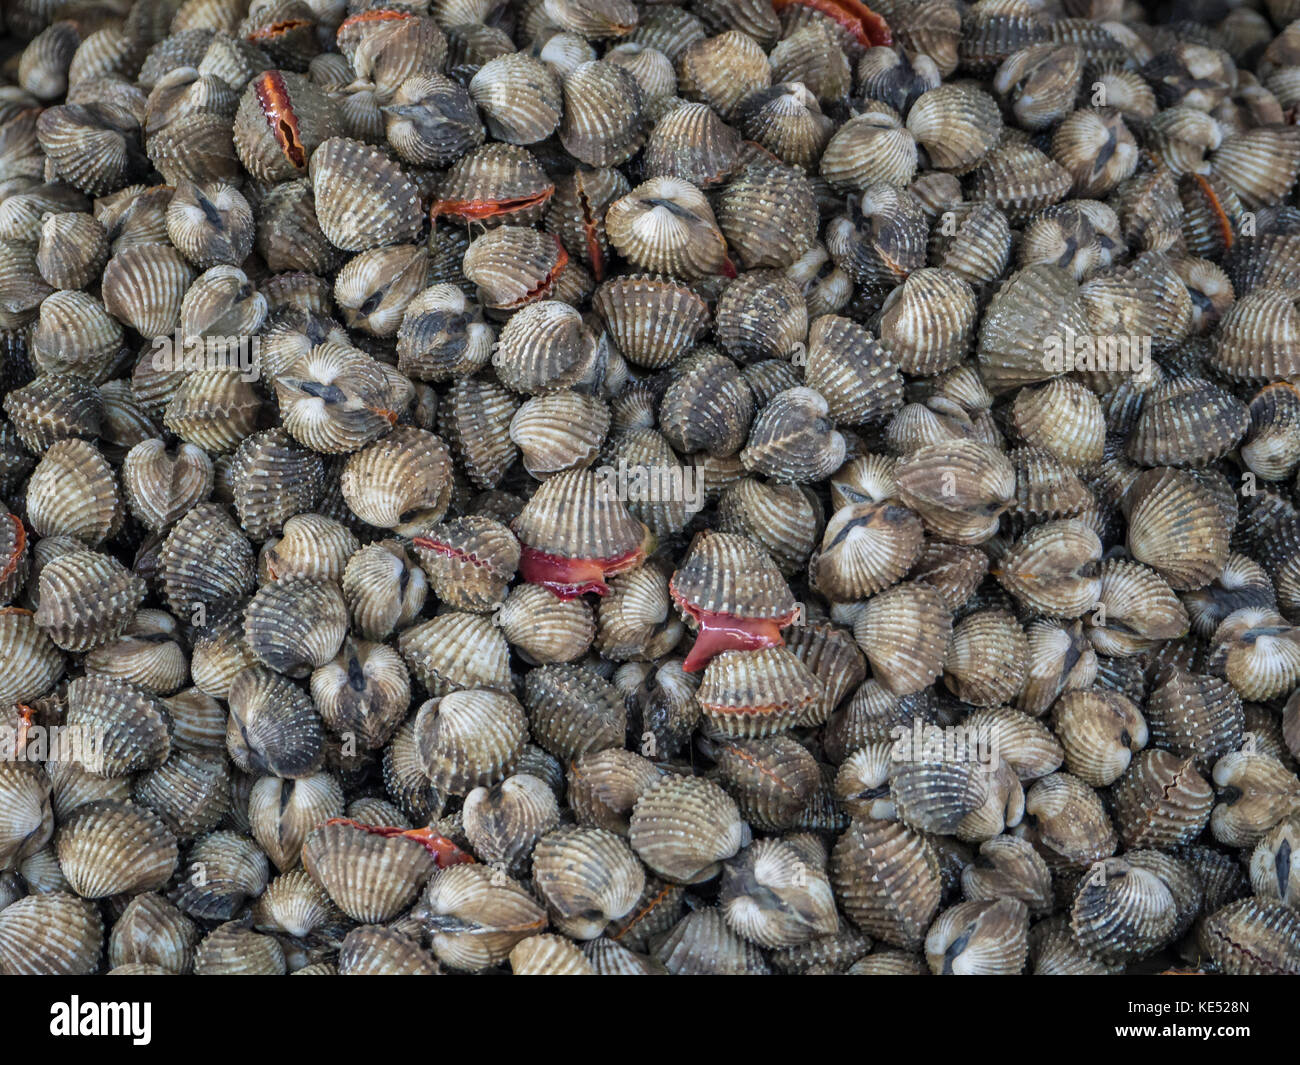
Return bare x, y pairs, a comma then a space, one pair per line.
685, 487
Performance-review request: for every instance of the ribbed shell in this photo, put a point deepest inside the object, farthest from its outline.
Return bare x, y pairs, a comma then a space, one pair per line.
757, 693
684, 827
469, 739
886, 877
371, 878
115, 848
455, 651
50, 934
346, 173
573, 711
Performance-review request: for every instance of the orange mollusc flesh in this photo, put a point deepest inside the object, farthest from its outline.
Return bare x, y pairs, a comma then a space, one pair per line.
720, 632
379, 14
273, 95
868, 28
569, 578
478, 210
444, 851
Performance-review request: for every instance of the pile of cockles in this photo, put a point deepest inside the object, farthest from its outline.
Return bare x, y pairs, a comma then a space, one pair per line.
694, 487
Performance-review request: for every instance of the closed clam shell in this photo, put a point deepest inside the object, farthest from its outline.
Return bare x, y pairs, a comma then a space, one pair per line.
455, 651
273, 726
927, 325
1161, 801
1185, 422
604, 785
190, 791
364, 692
865, 549
442, 334
54, 407
1073, 827
653, 320
987, 658
373, 950
1257, 338
215, 409
708, 407
956, 125
144, 287
573, 711
1273, 864
684, 827
504, 822
904, 633
513, 265
127, 726
603, 120
1138, 609
956, 487
283, 812
979, 937
702, 943
771, 895
768, 216
25, 812
886, 877
475, 419
544, 628
519, 96
1272, 445
1019, 180
543, 347
205, 560
311, 546
475, 917
1100, 732
296, 624
72, 492
1121, 912
1251, 936
234, 950
1260, 165
1053, 568
587, 877
371, 877
1009, 867
162, 484
793, 439
549, 955
87, 599
346, 172
1255, 791
690, 142
401, 482
114, 848
1176, 527
469, 739
50, 934
667, 226
152, 931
